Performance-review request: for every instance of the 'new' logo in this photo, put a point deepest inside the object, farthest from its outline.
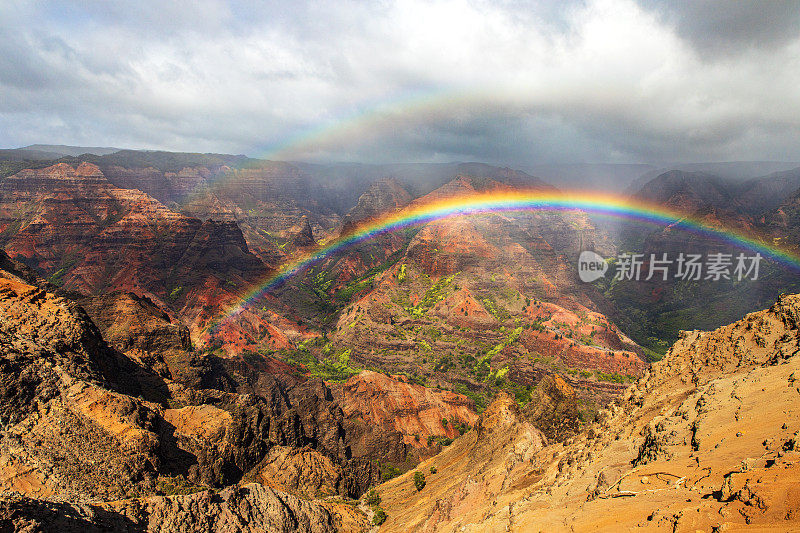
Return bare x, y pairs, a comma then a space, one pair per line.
591, 266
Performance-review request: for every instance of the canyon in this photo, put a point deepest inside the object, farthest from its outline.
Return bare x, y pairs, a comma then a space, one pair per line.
451, 376
705, 439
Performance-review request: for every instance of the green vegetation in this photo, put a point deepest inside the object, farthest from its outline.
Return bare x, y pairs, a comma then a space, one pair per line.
537, 325
68, 262
388, 471
57, 277
436, 293
379, 517
479, 398
311, 295
510, 339
174, 293
482, 369
444, 364
433, 333
335, 368
373, 499
500, 313
522, 393
501, 376
433, 470
578, 372
346, 294
651, 355
177, 485
419, 481
461, 427
613, 377
442, 441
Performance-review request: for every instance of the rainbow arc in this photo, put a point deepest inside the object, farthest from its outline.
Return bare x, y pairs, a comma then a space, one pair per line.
513, 202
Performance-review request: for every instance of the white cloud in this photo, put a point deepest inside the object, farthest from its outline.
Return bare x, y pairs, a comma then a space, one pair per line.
601, 81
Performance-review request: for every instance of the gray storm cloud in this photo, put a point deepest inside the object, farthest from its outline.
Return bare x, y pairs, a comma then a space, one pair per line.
512, 83
726, 29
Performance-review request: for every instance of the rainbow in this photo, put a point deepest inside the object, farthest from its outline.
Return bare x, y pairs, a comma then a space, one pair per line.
509, 202
367, 122
364, 122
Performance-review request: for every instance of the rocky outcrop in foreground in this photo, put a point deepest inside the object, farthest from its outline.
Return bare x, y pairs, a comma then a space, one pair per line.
249, 508
83, 424
468, 474
706, 440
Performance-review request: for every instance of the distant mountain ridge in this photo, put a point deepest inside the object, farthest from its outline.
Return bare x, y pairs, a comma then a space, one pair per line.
763, 208
74, 151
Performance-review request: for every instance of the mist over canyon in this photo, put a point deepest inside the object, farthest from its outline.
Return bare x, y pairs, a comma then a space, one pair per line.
136, 313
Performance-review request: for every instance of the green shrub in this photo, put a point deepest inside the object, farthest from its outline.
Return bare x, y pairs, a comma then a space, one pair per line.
433, 470
462, 427
174, 293
501, 376
379, 518
373, 499
419, 481
444, 364
612, 377
389, 472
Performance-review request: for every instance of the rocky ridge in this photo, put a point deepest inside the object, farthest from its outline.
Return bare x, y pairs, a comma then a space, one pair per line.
249, 508
82, 421
476, 300
705, 440
417, 415
382, 197
89, 236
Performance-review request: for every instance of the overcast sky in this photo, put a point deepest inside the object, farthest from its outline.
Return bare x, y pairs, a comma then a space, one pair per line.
516, 82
